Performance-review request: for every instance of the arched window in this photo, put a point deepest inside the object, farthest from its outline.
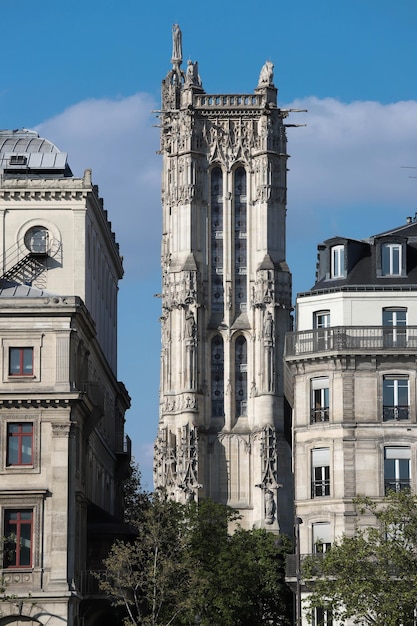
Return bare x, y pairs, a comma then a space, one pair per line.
217, 377
241, 376
216, 239
240, 241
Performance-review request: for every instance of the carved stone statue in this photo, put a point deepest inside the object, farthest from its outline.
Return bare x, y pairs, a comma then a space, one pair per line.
191, 76
190, 325
269, 506
176, 43
268, 326
266, 77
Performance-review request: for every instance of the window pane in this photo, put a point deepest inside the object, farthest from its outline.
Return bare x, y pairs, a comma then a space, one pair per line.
27, 360
13, 451
338, 261
14, 362
26, 450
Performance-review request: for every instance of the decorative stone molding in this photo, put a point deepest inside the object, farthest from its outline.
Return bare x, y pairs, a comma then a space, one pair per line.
60, 430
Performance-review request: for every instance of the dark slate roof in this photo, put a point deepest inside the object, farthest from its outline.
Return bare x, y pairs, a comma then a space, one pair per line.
362, 262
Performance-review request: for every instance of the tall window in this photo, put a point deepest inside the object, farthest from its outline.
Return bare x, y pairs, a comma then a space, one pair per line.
391, 259
395, 398
397, 469
18, 534
216, 239
240, 241
321, 537
321, 321
19, 444
217, 377
241, 376
320, 472
20, 361
338, 261
319, 400
322, 617
394, 322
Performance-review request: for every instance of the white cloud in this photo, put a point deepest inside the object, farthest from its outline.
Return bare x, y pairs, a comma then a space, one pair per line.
352, 154
349, 157
345, 178
116, 138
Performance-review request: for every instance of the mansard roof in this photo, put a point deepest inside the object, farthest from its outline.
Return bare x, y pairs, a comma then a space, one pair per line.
23, 151
363, 264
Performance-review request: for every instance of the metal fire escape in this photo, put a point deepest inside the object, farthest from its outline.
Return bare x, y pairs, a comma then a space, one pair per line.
25, 261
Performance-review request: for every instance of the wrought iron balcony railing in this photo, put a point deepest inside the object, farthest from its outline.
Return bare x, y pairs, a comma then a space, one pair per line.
396, 484
319, 415
395, 413
345, 339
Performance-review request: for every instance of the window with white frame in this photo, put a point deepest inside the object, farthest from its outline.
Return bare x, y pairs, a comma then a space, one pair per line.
321, 537
321, 319
337, 261
397, 472
322, 337
319, 411
320, 461
395, 393
394, 322
391, 259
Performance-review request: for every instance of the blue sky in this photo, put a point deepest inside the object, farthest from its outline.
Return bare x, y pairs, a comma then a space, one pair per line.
87, 75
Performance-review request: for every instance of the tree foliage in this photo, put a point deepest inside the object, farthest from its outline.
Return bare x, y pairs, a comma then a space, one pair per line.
184, 567
371, 577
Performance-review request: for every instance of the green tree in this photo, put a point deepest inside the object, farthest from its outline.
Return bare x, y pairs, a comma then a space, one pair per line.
239, 576
184, 567
148, 576
370, 577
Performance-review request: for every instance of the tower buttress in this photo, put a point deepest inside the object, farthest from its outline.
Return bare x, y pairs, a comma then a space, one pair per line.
226, 296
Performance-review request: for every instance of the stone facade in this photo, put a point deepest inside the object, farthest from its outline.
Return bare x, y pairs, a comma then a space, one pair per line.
351, 372
64, 453
226, 297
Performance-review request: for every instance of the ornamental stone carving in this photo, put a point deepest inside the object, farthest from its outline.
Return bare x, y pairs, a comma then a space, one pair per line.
266, 76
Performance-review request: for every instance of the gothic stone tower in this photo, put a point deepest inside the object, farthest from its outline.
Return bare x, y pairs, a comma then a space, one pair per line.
226, 297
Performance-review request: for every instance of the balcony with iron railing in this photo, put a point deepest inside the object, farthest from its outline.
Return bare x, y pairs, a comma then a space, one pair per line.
348, 339
396, 484
319, 415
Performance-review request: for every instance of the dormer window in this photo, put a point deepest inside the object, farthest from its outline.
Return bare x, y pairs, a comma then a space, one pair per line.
391, 259
338, 262
18, 159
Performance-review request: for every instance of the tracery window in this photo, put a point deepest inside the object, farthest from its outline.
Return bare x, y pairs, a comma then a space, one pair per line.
241, 376
216, 239
217, 377
240, 241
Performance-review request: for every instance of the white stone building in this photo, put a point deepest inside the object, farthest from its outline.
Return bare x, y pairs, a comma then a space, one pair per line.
63, 451
226, 297
351, 369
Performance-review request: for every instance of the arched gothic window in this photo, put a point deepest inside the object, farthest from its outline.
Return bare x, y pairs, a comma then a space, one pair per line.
241, 376
240, 241
216, 239
217, 377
